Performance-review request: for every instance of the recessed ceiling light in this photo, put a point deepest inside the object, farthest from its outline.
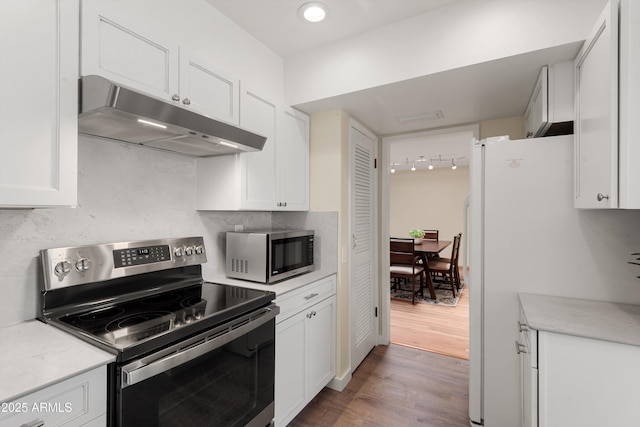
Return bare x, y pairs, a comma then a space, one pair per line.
313, 11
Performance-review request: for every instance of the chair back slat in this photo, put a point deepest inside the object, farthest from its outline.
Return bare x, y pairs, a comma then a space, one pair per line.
431, 235
455, 251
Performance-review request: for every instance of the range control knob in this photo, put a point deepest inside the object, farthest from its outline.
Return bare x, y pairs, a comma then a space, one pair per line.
188, 250
62, 268
83, 264
199, 250
178, 252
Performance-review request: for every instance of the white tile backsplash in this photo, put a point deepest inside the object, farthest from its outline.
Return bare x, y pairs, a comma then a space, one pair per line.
127, 192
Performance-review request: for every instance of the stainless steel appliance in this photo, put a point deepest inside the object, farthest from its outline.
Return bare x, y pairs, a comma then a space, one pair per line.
109, 110
267, 256
188, 352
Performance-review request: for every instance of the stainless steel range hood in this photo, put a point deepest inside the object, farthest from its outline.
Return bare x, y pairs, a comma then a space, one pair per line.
111, 111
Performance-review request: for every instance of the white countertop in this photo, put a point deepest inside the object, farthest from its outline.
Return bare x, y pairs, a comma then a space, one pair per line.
605, 321
280, 287
35, 355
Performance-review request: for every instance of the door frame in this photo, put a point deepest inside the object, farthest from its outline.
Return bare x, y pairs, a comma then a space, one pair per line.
385, 197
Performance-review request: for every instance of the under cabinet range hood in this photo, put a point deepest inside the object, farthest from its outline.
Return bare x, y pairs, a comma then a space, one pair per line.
109, 110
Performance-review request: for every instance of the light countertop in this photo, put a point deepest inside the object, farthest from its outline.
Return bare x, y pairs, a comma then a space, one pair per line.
280, 287
605, 321
35, 355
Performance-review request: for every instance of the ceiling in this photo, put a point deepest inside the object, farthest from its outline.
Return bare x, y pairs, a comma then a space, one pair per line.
486, 91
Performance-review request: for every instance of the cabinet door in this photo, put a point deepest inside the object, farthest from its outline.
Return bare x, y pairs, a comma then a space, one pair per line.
39, 106
77, 401
290, 383
207, 90
596, 126
536, 116
587, 382
529, 379
115, 47
293, 161
321, 346
258, 169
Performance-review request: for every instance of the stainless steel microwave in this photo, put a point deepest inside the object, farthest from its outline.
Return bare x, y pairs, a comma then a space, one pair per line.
268, 256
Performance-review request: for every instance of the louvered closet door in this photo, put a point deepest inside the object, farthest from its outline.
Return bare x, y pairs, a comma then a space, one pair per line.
363, 281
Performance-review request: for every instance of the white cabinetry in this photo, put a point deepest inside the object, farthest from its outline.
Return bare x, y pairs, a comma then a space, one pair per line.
119, 47
575, 381
607, 71
274, 179
305, 346
39, 106
77, 401
550, 109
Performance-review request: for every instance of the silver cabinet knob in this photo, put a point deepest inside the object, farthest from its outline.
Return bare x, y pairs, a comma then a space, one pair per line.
175, 97
601, 197
186, 101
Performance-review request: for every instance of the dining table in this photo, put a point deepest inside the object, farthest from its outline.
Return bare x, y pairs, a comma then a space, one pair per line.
428, 249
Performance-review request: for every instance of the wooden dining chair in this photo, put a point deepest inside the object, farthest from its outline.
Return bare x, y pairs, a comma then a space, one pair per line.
403, 265
447, 268
431, 235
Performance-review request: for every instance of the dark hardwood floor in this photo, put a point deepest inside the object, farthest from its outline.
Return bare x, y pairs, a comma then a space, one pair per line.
396, 386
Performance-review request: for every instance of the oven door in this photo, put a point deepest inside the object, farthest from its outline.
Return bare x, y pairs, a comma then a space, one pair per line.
222, 377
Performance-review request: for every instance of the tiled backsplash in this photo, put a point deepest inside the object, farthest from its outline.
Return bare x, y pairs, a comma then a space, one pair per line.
127, 193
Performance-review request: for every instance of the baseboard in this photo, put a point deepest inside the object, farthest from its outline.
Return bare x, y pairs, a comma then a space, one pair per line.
338, 384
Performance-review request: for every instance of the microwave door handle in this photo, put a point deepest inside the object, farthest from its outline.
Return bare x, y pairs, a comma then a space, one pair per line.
134, 373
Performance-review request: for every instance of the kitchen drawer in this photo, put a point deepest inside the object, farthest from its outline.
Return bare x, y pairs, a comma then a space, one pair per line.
77, 401
293, 302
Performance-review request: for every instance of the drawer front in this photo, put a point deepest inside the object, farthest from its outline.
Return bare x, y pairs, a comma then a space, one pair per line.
295, 301
72, 402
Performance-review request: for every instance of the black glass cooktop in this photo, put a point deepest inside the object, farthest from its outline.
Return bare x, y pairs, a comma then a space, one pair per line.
131, 322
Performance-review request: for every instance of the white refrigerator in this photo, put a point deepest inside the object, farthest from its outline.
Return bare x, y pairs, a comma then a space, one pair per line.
524, 236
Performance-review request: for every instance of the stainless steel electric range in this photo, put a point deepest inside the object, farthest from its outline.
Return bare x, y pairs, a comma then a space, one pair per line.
188, 352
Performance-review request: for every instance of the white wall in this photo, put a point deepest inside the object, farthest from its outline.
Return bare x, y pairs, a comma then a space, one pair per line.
467, 32
428, 199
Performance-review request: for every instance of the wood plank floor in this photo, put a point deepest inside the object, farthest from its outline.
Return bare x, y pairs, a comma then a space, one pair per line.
396, 386
430, 327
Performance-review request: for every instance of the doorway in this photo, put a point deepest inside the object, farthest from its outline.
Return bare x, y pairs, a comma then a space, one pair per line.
424, 149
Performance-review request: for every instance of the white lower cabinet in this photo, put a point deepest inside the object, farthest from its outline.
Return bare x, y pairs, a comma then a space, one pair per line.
574, 381
77, 401
305, 347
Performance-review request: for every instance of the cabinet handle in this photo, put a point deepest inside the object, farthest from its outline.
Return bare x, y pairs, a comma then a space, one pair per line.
529, 134
186, 101
520, 348
36, 423
175, 97
284, 204
601, 197
313, 295
522, 327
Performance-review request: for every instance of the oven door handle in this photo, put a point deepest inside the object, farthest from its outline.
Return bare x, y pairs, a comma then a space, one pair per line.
146, 368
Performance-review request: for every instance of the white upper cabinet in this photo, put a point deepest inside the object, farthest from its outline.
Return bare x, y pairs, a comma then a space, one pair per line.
607, 73
119, 47
39, 107
293, 160
550, 109
274, 179
596, 133
258, 169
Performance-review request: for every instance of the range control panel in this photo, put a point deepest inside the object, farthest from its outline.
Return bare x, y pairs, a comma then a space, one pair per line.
139, 256
78, 265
